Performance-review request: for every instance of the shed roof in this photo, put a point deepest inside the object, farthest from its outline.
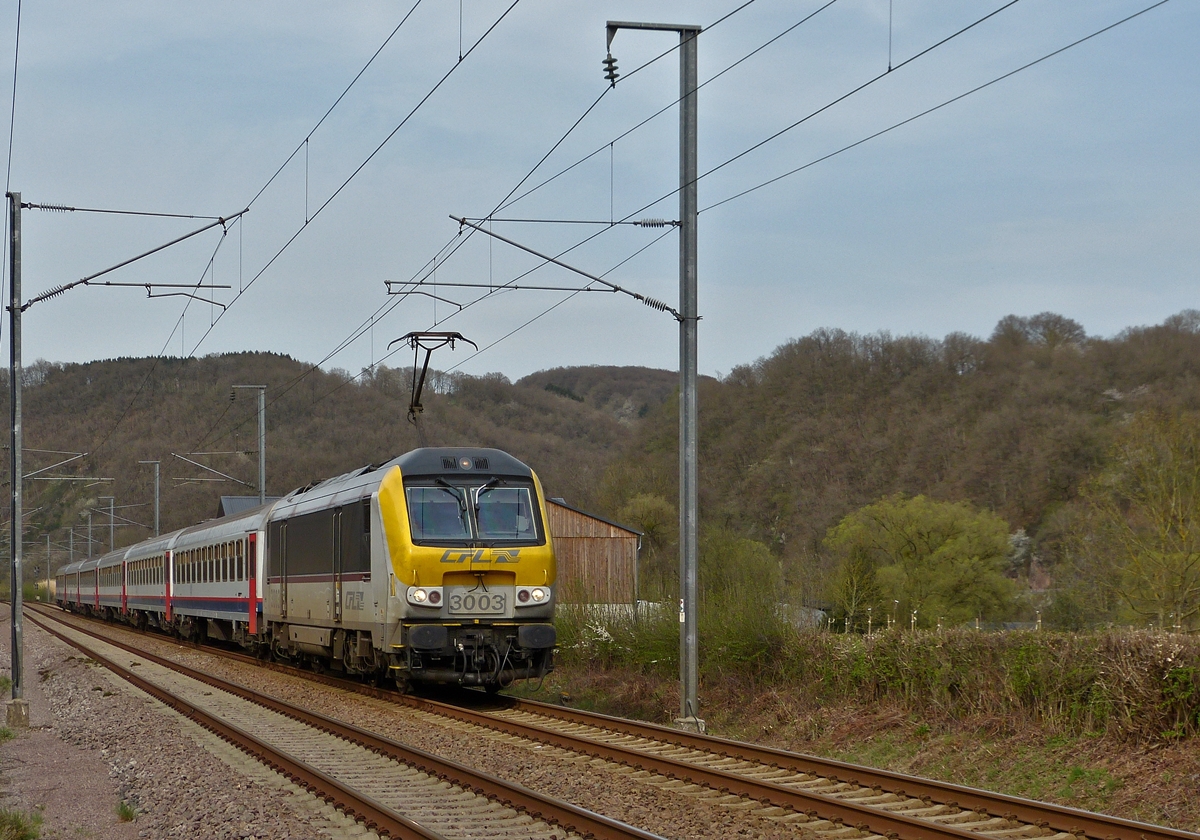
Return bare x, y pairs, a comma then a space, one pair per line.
562, 503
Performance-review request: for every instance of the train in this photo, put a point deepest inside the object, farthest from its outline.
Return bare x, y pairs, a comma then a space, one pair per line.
434, 567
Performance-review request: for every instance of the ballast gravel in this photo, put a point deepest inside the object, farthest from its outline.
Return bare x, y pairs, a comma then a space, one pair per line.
95, 742
186, 783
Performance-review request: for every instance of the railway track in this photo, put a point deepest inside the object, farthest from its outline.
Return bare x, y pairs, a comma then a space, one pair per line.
391, 788
819, 795
974, 811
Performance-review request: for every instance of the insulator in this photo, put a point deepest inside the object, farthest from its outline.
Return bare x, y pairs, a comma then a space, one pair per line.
654, 303
654, 223
56, 208
610, 69
55, 292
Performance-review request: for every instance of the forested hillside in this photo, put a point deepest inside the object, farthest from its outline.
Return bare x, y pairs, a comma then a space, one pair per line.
1015, 424
1028, 429
319, 424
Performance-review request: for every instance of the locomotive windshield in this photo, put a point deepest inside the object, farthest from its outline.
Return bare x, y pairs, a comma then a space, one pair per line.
496, 514
438, 513
504, 513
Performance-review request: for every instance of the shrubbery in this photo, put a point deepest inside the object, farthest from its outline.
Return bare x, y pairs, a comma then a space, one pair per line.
1134, 685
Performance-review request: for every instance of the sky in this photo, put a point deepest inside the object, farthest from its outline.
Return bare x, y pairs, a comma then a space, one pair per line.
1072, 186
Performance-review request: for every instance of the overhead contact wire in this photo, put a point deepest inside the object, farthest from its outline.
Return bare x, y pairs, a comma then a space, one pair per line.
673, 103
303, 144
355, 173
842, 98
458, 241
928, 111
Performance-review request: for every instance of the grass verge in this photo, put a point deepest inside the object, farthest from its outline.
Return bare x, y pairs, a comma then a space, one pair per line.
18, 825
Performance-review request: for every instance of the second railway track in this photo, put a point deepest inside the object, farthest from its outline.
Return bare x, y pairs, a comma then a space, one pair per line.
817, 796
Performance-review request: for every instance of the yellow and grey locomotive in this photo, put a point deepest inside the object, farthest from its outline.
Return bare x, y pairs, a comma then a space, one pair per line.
436, 566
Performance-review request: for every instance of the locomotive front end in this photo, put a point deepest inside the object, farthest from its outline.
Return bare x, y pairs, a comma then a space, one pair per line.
472, 570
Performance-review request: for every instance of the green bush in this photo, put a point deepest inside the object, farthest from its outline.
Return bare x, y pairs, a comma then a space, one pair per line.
1133, 684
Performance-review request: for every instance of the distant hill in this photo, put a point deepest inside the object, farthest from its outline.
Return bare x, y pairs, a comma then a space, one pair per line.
319, 424
626, 393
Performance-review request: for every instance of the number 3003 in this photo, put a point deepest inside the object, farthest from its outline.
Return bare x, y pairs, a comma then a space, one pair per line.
484, 602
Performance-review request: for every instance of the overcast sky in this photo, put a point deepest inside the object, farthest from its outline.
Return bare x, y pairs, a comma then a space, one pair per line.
1073, 186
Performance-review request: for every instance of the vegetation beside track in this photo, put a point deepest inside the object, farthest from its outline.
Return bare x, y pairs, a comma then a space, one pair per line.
1131, 685
1010, 750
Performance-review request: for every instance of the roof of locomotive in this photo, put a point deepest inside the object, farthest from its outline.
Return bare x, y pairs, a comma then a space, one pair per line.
430, 461
456, 460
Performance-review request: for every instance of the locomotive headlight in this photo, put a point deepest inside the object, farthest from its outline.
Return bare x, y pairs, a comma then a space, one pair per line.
528, 596
424, 596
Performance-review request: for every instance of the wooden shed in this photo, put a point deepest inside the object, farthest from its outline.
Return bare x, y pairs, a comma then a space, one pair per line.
597, 558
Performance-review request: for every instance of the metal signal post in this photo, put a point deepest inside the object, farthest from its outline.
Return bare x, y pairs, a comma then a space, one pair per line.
262, 440
18, 709
689, 713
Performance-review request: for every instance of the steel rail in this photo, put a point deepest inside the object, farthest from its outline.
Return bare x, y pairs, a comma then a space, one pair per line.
1058, 817
375, 816
568, 816
862, 817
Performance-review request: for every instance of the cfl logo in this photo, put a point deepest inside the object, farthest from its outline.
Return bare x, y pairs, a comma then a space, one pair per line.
498, 555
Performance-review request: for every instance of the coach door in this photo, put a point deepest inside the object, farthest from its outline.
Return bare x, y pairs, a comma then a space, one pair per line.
337, 565
250, 576
168, 582
283, 570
